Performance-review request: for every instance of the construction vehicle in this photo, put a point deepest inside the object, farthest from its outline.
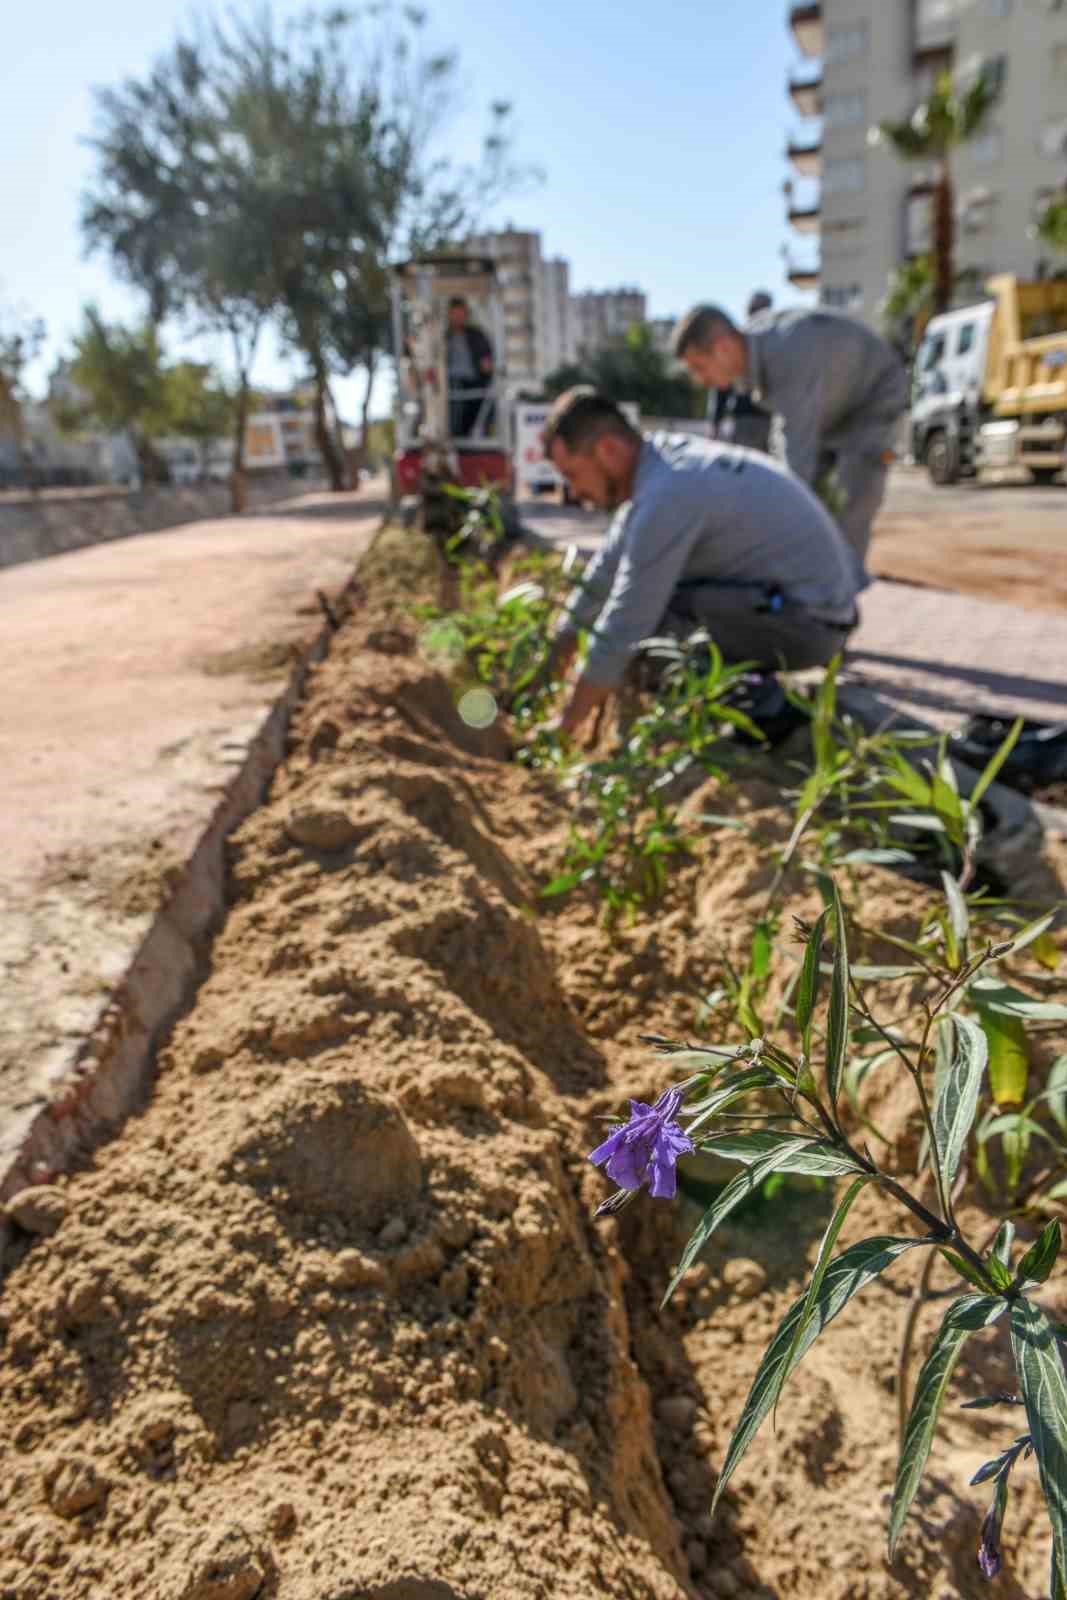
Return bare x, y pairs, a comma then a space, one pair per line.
990, 385
431, 455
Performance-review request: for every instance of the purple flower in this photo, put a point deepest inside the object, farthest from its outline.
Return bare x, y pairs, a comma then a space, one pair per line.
989, 1548
646, 1148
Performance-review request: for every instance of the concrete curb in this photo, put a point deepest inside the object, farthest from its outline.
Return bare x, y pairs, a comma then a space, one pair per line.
112, 1069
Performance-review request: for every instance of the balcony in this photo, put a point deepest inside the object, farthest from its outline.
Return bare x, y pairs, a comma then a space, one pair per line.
934, 27
807, 279
805, 23
806, 157
805, 219
806, 95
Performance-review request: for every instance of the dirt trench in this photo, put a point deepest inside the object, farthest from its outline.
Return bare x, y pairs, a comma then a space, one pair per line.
330, 1319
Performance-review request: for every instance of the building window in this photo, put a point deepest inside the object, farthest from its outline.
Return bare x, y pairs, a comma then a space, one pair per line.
987, 147
918, 229
1052, 140
845, 43
843, 297
844, 176
977, 211
844, 110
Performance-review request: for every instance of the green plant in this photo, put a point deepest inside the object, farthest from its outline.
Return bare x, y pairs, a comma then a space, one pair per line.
627, 824
780, 1108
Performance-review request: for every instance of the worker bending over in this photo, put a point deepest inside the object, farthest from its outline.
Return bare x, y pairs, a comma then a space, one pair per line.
838, 388
705, 536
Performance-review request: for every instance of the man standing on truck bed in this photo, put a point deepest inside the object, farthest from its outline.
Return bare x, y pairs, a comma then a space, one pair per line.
839, 389
706, 536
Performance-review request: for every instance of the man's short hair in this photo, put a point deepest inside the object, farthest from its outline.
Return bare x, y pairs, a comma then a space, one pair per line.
699, 328
582, 415
457, 300
760, 301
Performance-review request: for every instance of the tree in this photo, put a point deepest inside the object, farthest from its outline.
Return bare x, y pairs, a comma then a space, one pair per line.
117, 380
633, 368
196, 403
908, 303
935, 130
1051, 226
21, 338
263, 170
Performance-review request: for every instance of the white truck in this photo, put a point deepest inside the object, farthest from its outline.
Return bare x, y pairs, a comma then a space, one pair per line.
990, 385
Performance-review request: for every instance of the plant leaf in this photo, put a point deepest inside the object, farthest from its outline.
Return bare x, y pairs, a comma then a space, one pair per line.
1040, 1259
994, 764
808, 986
1002, 1244
991, 995
837, 1023
965, 1270
822, 1261
845, 1277
961, 1319
1032, 931
956, 1097
812, 1158
957, 908
1056, 1092
1009, 1056
1044, 1386
733, 1086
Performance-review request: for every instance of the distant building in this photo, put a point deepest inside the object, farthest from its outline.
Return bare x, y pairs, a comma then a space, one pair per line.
662, 330
535, 293
601, 316
861, 211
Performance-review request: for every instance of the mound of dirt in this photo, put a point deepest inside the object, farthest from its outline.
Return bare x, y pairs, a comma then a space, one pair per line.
329, 1320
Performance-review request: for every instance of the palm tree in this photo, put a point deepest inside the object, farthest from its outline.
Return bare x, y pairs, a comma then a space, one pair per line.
908, 302
947, 119
1051, 226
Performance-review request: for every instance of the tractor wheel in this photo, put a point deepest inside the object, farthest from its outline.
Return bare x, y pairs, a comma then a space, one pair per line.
1045, 475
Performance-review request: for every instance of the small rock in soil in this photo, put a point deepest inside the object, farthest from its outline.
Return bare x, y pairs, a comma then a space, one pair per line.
696, 1556
222, 1565
321, 828
744, 1278
394, 1232
73, 1485
40, 1209
725, 1583
283, 1519
676, 1411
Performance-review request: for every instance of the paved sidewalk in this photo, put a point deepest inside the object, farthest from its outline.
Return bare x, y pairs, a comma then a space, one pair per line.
138, 676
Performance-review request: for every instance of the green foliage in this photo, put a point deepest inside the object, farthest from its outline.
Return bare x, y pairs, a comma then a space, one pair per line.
633, 368
791, 1122
1051, 227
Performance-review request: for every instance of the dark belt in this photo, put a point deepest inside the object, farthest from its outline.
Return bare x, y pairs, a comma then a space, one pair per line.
775, 599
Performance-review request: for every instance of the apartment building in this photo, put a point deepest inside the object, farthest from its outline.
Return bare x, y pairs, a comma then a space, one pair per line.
601, 315
856, 209
536, 298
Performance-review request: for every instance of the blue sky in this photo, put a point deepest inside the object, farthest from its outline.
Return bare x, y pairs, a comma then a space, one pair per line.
660, 131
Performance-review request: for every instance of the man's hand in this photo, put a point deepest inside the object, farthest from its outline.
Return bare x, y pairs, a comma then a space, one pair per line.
587, 697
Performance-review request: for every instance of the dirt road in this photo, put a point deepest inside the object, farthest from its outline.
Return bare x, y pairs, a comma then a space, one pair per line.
999, 542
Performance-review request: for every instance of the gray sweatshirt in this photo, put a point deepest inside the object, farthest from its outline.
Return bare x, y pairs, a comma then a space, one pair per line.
710, 511
835, 384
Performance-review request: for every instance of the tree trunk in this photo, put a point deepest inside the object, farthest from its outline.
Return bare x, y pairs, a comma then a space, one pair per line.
331, 456
238, 487
944, 240
364, 420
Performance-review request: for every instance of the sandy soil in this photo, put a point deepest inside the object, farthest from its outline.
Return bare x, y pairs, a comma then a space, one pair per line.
330, 1318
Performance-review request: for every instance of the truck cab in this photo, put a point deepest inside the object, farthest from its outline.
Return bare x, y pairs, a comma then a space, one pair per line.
947, 383
989, 389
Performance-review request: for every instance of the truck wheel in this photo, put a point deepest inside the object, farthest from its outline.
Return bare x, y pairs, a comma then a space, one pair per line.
942, 459
1043, 475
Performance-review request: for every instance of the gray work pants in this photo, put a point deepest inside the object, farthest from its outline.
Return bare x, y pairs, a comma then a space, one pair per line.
861, 478
737, 618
